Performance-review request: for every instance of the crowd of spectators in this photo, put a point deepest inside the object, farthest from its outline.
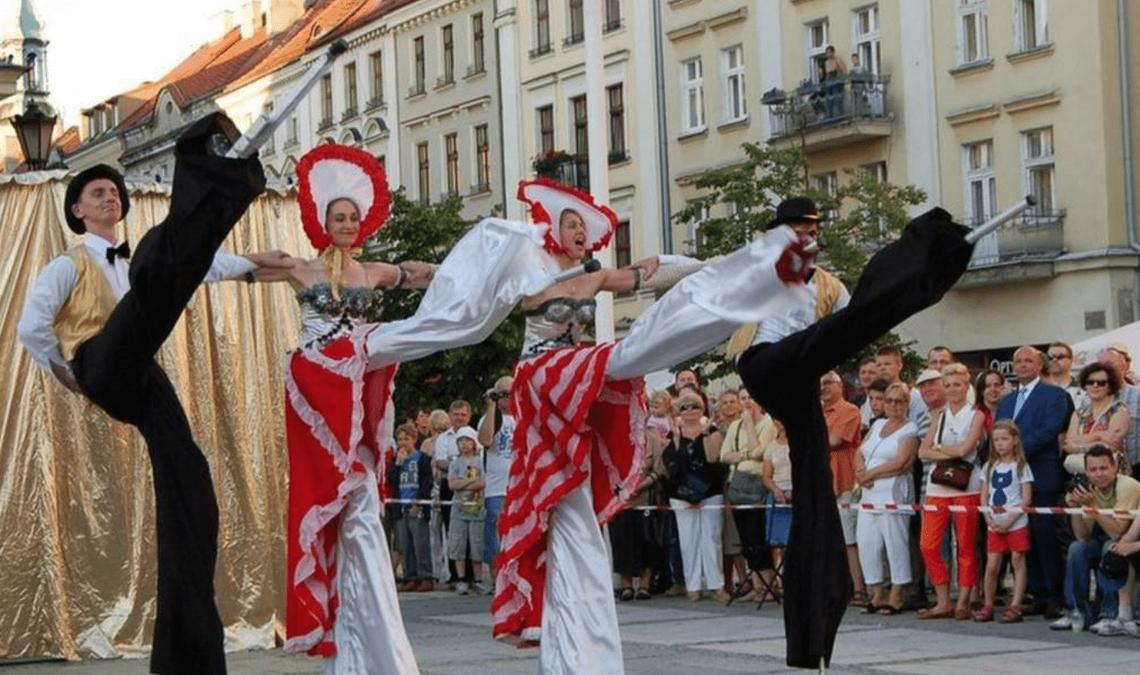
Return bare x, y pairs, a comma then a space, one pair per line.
1049, 436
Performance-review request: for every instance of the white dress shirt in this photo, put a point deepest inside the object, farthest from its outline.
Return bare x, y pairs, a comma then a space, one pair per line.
779, 326
54, 284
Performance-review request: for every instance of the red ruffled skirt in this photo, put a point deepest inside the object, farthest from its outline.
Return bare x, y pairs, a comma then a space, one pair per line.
572, 426
333, 408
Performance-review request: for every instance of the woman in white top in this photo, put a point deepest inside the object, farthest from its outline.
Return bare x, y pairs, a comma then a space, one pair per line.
954, 435
882, 468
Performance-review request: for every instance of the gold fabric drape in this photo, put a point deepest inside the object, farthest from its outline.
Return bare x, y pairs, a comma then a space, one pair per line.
77, 542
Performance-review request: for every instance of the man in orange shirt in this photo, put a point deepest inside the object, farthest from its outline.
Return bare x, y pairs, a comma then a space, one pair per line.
843, 427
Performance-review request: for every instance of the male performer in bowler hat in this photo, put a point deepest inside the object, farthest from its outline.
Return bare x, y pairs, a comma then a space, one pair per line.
96, 324
782, 373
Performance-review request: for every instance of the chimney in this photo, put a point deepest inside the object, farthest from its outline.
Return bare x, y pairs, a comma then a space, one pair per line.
250, 18
282, 13
221, 23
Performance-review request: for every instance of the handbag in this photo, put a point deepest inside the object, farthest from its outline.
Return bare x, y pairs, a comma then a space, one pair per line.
694, 489
744, 487
951, 473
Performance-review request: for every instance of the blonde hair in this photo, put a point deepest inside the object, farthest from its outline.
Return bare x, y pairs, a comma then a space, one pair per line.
439, 418
956, 369
660, 395
1018, 452
900, 387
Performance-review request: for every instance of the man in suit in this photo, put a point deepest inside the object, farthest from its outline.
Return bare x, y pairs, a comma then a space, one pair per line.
1041, 412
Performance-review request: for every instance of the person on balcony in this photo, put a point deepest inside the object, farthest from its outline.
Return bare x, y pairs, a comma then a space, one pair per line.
834, 73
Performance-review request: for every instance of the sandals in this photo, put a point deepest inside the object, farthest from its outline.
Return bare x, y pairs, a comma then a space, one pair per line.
1012, 615
860, 599
986, 613
962, 614
626, 594
927, 614
643, 594
890, 610
871, 608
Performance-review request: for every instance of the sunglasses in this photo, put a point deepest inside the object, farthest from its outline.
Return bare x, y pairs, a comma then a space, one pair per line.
1097, 383
895, 400
1058, 357
688, 406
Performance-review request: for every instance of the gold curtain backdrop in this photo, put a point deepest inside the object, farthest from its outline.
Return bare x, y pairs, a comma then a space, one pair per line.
77, 542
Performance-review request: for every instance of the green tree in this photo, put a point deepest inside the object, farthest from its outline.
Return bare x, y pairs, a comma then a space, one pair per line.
739, 201
427, 233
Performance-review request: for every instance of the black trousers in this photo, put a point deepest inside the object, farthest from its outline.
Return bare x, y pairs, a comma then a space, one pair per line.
904, 278
117, 371
753, 542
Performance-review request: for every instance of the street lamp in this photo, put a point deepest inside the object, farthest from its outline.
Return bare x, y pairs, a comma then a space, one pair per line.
34, 130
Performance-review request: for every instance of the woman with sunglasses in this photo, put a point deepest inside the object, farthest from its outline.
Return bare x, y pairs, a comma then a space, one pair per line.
882, 468
694, 481
1103, 419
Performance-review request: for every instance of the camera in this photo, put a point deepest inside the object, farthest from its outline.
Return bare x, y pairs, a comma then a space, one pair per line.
1078, 481
498, 395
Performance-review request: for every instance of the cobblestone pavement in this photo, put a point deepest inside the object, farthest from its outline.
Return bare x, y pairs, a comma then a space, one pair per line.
662, 636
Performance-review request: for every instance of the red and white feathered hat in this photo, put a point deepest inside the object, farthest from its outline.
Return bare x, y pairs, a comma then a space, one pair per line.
331, 172
548, 199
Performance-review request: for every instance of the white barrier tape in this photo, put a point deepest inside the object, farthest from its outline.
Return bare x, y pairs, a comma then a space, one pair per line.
872, 508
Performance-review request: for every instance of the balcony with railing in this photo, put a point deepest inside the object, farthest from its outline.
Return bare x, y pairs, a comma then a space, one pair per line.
829, 114
575, 173
375, 103
1023, 248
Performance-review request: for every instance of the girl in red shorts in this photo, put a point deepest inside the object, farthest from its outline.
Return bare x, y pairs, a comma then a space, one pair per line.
1006, 483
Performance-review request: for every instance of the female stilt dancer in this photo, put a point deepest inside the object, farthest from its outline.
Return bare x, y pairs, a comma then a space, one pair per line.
341, 594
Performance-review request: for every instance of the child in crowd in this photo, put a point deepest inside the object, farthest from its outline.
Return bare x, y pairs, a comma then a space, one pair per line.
414, 481
465, 537
1006, 482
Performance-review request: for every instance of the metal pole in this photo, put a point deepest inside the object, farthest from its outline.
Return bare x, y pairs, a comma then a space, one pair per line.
994, 223
266, 124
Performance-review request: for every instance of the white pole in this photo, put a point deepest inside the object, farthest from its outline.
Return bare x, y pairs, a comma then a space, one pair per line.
506, 25
598, 145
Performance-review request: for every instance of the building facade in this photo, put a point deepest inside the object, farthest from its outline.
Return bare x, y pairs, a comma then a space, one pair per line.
1020, 112
976, 102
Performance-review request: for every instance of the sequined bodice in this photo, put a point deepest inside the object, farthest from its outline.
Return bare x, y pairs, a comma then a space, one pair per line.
324, 318
558, 322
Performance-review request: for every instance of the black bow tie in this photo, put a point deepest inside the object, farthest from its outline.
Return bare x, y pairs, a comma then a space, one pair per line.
123, 250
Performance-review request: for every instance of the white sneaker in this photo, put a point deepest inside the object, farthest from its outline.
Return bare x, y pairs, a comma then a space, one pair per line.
1110, 628
1100, 625
1073, 621
1131, 628
483, 588
461, 588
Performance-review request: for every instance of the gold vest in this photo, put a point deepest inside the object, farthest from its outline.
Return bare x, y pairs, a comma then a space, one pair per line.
827, 289
88, 306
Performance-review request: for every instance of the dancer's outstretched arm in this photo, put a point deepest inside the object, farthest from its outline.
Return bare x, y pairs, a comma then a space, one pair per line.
489, 271
703, 309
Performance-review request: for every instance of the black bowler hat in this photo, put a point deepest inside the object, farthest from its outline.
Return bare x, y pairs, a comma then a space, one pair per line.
795, 210
75, 188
